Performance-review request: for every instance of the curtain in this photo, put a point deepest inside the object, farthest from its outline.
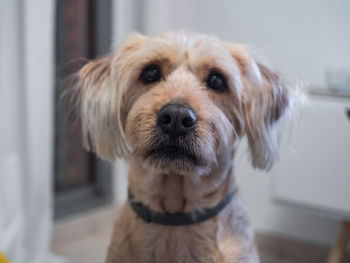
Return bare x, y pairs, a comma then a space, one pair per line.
26, 128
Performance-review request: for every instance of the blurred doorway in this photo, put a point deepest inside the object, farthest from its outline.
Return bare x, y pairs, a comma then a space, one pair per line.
83, 32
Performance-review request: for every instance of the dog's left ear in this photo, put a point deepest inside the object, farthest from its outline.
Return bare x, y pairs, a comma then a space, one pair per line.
265, 100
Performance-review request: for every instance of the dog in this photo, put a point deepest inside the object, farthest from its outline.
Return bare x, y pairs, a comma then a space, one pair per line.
176, 105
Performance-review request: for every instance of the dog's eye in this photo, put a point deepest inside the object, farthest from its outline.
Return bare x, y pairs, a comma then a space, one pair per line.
216, 81
151, 74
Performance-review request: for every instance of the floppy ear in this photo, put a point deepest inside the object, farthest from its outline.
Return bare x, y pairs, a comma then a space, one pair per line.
265, 99
101, 129
102, 87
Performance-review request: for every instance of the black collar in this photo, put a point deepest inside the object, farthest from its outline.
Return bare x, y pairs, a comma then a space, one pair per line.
177, 219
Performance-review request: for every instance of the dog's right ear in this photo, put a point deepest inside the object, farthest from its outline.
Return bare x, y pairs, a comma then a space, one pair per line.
99, 109
101, 94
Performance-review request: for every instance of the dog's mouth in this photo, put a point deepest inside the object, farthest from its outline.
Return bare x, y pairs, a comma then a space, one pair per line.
173, 157
173, 153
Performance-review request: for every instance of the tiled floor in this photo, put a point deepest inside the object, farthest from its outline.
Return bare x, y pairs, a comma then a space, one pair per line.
84, 239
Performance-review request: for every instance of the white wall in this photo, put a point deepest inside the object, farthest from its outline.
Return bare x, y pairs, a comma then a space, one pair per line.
301, 39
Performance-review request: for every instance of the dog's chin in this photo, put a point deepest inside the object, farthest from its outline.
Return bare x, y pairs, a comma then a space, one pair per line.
175, 160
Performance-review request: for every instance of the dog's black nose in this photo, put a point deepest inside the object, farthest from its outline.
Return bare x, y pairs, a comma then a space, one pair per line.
176, 119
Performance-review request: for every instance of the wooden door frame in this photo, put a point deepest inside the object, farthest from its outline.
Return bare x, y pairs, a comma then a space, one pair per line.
100, 193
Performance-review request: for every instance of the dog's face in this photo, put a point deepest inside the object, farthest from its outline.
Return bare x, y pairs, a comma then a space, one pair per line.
178, 101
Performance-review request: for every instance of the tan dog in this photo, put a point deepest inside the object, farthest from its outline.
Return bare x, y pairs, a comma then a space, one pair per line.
176, 105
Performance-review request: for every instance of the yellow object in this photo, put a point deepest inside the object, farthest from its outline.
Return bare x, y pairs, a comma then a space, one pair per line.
3, 259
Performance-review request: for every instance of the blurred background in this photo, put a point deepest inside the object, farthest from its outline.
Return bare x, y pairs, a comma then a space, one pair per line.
58, 202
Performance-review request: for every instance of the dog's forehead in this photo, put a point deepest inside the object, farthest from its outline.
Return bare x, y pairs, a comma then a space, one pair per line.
198, 52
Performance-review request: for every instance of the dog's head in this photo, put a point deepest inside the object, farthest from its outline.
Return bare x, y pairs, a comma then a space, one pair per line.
178, 101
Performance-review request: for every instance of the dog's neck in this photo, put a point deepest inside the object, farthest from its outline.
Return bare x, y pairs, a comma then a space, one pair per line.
172, 193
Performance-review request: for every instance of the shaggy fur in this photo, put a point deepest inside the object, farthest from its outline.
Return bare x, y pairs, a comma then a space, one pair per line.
119, 116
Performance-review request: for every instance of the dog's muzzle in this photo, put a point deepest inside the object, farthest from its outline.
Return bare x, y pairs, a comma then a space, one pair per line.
176, 137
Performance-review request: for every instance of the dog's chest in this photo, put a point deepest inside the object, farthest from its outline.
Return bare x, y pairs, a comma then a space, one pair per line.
179, 244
